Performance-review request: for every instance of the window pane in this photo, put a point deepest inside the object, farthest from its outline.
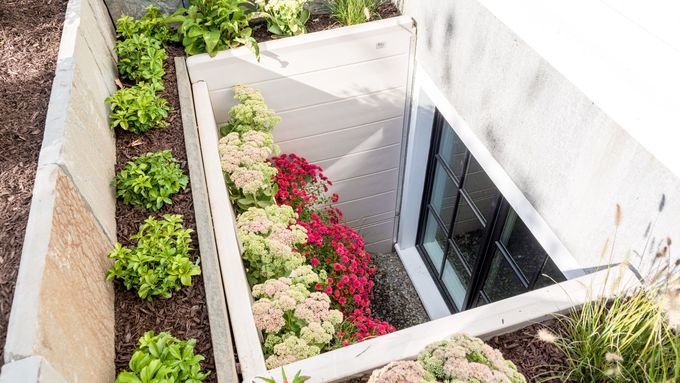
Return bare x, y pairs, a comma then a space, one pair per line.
444, 193
480, 301
502, 282
550, 275
452, 150
525, 250
480, 189
468, 232
434, 241
455, 277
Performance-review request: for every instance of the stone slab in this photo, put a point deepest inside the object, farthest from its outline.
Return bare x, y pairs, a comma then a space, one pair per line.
63, 307
33, 369
135, 8
77, 136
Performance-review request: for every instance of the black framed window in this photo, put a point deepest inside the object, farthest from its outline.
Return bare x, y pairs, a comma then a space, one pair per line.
477, 249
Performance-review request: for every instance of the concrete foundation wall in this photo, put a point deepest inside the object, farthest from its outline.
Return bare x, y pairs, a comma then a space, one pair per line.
573, 162
61, 325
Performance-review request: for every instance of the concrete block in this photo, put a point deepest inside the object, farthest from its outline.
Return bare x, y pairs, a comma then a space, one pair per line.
63, 307
135, 8
33, 369
77, 135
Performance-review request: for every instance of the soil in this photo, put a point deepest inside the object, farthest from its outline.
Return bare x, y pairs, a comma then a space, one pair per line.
324, 22
537, 360
30, 32
185, 315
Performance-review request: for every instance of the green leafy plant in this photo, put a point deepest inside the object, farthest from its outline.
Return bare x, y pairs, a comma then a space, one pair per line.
214, 25
152, 24
284, 17
137, 109
350, 12
150, 180
159, 263
251, 113
163, 358
140, 58
298, 378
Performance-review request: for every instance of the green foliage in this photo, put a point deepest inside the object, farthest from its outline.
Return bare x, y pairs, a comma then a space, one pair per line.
140, 58
298, 378
214, 25
350, 12
153, 24
160, 262
626, 339
251, 113
137, 109
163, 358
150, 180
284, 17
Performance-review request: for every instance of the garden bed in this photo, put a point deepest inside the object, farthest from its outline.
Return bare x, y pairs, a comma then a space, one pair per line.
30, 32
185, 315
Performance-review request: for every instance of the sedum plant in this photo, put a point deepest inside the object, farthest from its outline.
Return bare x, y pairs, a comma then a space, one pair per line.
214, 25
140, 58
298, 323
464, 358
152, 24
150, 180
284, 17
137, 109
350, 12
269, 236
163, 358
247, 175
404, 371
160, 262
251, 113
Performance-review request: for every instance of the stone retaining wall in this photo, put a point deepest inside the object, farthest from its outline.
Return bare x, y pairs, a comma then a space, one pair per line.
61, 327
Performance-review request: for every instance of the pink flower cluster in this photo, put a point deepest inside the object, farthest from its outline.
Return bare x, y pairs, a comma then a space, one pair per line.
332, 246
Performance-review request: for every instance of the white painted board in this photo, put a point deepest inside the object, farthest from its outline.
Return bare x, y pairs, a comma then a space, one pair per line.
341, 95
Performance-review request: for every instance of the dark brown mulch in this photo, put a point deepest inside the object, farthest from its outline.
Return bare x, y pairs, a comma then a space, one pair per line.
536, 359
318, 23
30, 32
185, 315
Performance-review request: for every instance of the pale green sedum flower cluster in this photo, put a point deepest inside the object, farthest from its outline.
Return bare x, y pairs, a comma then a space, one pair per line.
466, 359
248, 176
297, 323
403, 371
269, 236
251, 113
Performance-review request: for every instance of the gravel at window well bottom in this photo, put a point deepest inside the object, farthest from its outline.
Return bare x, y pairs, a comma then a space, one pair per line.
395, 299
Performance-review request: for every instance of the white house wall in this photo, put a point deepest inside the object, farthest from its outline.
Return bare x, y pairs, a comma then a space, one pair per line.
567, 154
341, 95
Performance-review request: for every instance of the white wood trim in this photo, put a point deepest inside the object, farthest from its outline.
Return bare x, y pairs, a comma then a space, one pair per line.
420, 276
237, 290
486, 321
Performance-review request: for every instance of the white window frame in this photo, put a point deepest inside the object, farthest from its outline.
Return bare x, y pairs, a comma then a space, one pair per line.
427, 98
